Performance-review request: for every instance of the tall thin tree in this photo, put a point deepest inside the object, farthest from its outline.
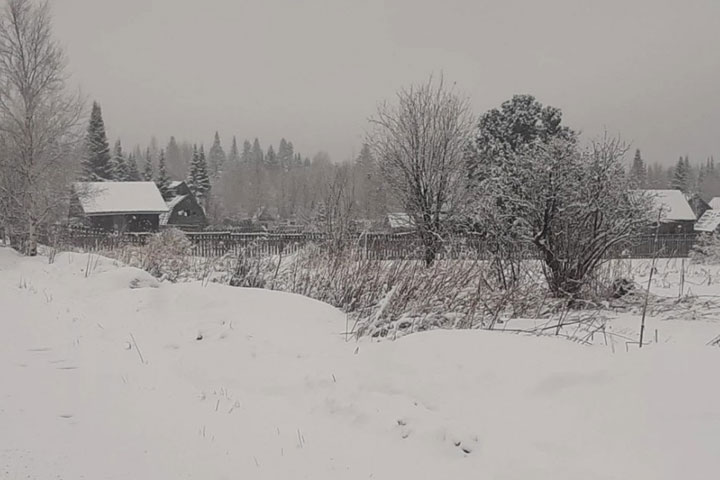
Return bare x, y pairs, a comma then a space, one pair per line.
40, 123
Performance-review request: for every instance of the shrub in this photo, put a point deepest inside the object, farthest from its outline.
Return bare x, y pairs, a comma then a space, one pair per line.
166, 255
706, 250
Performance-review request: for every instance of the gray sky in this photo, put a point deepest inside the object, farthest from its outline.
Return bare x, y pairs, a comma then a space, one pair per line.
314, 70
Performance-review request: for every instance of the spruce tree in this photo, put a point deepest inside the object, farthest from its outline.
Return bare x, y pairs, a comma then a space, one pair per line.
163, 179
203, 179
216, 157
119, 165
132, 169
192, 174
246, 156
285, 154
234, 156
638, 171
96, 164
257, 156
680, 176
198, 180
271, 159
148, 170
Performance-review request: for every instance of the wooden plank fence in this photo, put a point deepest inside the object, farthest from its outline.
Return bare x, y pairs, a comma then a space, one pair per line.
375, 246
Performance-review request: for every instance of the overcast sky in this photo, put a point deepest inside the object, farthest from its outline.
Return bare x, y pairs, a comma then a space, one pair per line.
314, 70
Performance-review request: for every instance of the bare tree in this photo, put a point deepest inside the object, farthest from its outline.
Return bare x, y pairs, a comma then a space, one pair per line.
340, 209
39, 122
420, 145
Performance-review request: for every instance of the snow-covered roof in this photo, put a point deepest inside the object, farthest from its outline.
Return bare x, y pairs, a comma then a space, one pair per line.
709, 222
106, 198
672, 204
400, 220
715, 203
165, 217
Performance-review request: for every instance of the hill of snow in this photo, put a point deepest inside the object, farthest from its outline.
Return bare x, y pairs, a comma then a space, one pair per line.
108, 374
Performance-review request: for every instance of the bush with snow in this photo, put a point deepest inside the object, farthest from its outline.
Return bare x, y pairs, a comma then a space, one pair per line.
706, 250
166, 255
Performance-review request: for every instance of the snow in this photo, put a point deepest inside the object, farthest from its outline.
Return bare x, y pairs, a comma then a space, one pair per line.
109, 374
102, 198
715, 203
709, 221
400, 220
673, 205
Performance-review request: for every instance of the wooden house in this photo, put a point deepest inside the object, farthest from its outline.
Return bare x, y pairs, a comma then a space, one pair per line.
698, 205
183, 210
117, 206
673, 210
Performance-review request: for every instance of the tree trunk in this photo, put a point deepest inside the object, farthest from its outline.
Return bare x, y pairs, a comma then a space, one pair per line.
31, 242
431, 247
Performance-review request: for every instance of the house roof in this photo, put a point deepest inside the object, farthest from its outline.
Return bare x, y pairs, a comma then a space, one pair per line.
400, 220
176, 183
709, 222
171, 204
107, 198
672, 205
715, 203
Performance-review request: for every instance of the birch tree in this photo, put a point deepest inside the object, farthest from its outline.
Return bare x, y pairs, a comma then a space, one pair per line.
39, 123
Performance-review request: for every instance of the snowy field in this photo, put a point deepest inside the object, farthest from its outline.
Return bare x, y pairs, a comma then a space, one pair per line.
112, 375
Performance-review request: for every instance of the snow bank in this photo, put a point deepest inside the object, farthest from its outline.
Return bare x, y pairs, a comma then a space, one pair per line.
101, 380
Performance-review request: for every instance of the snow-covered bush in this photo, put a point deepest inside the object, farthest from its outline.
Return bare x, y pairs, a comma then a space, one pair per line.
166, 255
706, 250
572, 205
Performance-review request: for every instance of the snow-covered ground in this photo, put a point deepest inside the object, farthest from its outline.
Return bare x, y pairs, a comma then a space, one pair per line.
108, 374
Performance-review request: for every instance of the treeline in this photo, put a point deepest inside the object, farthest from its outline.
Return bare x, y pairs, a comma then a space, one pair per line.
693, 178
241, 182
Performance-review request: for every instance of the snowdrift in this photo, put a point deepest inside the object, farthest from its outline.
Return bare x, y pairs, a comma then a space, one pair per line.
107, 373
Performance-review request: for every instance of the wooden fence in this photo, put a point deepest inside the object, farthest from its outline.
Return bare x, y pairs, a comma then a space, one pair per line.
376, 246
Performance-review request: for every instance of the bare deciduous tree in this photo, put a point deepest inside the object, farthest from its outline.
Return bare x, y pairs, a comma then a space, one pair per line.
39, 122
340, 209
420, 145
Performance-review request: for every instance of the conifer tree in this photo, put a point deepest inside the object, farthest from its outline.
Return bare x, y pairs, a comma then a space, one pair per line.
257, 155
203, 179
234, 156
285, 154
216, 157
148, 170
271, 159
163, 179
198, 180
96, 164
119, 165
680, 176
638, 171
246, 156
132, 169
